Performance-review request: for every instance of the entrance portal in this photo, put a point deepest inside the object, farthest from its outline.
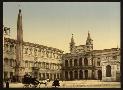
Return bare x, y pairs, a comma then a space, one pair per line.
86, 74
71, 75
99, 74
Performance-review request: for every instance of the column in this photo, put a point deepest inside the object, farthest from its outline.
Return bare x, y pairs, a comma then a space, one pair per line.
52, 75
113, 72
68, 75
78, 74
89, 74
59, 76
83, 74
96, 74
51, 66
73, 62
8, 74
82, 61
73, 75
78, 61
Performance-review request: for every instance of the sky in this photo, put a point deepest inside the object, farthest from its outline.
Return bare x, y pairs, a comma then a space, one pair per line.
53, 23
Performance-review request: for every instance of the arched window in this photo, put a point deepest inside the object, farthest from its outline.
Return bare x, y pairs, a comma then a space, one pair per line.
86, 74
75, 75
108, 71
99, 74
75, 62
54, 76
98, 63
85, 61
66, 63
92, 74
71, 75
80, 74
70, 62
80, 62
66, 75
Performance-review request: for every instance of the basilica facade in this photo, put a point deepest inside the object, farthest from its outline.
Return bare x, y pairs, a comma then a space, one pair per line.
85, 63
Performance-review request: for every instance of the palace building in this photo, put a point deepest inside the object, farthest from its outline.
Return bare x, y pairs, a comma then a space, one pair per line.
22, 57
43, 62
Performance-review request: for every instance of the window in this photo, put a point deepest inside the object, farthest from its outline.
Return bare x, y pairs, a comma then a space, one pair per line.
35, 52
26, 63
66, 75
75, 62
11, 60
80, 62
11, 48
30, 51
66, 62
70, 62
98, 63
75, 74
11, 74
115, 57
108, 71
6, 61
26, 49
85, 61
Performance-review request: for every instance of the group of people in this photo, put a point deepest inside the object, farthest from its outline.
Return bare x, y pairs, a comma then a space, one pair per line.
56, 83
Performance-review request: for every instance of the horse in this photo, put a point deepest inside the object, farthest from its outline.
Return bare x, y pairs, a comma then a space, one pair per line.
45, 81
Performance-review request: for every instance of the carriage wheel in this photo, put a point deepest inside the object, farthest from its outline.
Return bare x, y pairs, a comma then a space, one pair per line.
29, 86
25, 86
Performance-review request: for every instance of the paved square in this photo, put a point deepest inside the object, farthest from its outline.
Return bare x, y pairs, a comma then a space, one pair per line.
75, 84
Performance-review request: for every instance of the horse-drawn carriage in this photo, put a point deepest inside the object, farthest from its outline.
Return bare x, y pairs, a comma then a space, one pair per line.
29, 82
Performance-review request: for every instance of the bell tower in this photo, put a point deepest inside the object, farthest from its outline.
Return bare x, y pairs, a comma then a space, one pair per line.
89, 43
72, 45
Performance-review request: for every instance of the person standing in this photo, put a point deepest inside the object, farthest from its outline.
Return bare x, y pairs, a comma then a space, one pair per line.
7, 84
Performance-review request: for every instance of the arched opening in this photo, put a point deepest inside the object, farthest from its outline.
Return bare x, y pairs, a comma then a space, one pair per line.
71, 75
66, 75
75, 62
86, 62
99, 74
108, 71
47, 75
86, 74
75, 75
92, 74
80, 62
43, 75
80, 74
70, 62
57, 75
66, 63
50, 76
54, 76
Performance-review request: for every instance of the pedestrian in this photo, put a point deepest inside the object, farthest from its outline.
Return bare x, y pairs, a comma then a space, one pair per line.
7, 84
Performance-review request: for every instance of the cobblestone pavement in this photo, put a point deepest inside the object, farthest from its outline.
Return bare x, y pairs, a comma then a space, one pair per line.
75, 84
